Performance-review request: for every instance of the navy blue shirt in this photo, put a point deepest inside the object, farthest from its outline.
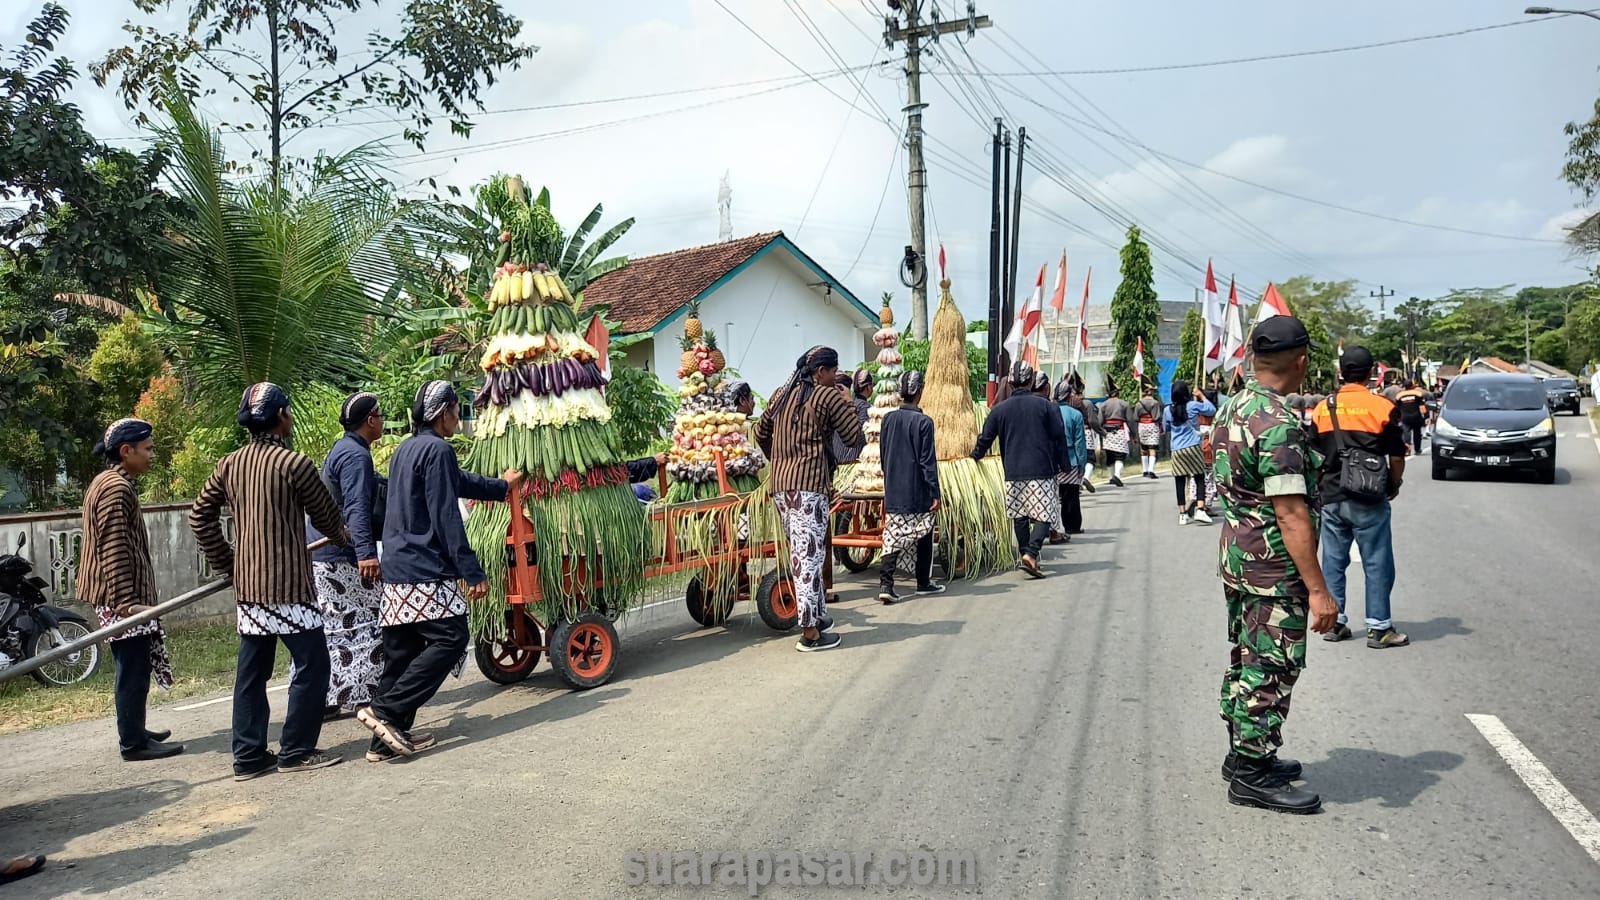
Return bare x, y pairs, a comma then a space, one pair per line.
1033, 438
424, 539
348, 469
910, 468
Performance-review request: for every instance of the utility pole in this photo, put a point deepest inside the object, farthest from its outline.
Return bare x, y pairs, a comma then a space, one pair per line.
914, 31
994, 267
1381, 295
1016, 230
1006, 287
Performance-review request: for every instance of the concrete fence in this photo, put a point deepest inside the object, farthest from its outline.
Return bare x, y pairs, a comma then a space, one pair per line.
55, 541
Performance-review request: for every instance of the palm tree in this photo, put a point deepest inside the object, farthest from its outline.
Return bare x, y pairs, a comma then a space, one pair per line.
273, 284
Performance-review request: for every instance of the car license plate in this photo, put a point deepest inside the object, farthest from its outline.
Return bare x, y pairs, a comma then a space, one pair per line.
1493, 460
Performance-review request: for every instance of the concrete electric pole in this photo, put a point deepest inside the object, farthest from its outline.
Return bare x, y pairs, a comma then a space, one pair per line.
904, 23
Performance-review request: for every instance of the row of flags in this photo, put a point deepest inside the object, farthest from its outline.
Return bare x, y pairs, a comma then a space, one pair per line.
1224, 338
1022, 341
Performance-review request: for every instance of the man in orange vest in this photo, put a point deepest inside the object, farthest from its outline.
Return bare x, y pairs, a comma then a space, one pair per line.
1368, 424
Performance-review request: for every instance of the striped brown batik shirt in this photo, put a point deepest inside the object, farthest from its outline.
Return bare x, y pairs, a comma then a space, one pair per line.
271, 489
114, 570
798, 445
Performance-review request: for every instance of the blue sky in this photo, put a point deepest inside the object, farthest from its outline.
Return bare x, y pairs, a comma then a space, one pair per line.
1462, 132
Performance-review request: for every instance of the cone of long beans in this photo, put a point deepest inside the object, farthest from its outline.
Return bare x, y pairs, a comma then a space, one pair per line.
974, 533
542, 411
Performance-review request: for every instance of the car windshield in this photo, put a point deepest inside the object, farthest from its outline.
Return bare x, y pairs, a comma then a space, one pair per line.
1561, 384
1494, 395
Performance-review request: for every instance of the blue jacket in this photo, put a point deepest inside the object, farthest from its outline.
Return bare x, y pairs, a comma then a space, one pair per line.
1077, 442
1185, 434
910, 468
424, 539
348, 470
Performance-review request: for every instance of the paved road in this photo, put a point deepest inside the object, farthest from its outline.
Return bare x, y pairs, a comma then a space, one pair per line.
1064, 731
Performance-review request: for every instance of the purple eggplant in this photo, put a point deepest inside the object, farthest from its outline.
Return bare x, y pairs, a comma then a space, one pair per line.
525, 375
538, 386
497, 395
481, 399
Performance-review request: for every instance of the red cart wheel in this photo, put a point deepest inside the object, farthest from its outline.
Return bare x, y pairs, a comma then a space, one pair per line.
706, 606
776, 603
505, 661
584, 653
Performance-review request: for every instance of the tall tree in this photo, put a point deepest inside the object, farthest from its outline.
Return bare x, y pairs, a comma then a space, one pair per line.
1135, 311
1189, 347
1344, 316
1320, 371
74, 208
287, 62
274, 284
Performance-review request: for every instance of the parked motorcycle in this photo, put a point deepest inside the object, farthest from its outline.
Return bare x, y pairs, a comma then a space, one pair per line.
29, 626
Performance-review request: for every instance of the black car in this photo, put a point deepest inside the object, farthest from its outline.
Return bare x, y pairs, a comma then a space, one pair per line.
1562, 395
1495, 421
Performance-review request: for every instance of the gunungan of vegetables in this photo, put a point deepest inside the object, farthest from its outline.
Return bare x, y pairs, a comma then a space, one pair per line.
886, 399
708, 422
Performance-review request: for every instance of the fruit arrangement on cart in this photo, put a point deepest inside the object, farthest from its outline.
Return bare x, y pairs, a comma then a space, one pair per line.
708, 425
572, 548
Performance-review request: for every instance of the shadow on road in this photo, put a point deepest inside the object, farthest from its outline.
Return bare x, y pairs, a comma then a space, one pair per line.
125, 868
1436, 628
1352, 776
47, 826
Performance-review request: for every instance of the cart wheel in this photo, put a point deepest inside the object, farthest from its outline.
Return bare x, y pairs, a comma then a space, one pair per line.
706, 606
504, 661
855, 559
776, 603
584, 653
958, 568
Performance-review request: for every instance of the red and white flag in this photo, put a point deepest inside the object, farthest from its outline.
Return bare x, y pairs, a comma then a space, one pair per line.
1083, 322
941, 262
1058, 300
1272, 304
1233, 335
1216, 324
1138, 359
1020, 341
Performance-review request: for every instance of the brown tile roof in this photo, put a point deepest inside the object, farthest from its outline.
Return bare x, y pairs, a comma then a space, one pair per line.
1498, 363
1449, 371
651, 288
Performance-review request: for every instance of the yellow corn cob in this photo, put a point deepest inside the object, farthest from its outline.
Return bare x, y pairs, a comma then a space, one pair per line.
526, 285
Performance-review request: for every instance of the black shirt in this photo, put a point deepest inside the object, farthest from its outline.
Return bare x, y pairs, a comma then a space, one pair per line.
1033, 439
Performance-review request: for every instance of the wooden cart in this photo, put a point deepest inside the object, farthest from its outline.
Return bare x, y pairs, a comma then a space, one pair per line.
584, 651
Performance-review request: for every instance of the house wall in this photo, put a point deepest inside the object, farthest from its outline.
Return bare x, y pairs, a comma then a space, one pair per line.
760, 337
55, 540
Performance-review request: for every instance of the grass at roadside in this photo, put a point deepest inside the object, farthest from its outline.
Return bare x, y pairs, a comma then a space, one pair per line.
203, 656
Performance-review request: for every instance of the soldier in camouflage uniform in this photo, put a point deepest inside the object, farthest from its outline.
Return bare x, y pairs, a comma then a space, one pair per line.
1266, 470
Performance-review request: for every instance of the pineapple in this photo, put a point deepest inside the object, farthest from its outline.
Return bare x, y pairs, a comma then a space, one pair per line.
692, 328
886, 315
718, 361
687, 363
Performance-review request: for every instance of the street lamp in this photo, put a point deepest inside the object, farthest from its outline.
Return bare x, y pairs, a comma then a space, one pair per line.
1547, 11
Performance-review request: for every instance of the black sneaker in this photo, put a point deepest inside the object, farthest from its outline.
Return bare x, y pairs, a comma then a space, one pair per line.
888, 596
267, 765
824, 641
420, 740
386, 732
826, 625
930, 589
312, 761
1088, 485
152, 750
1340, 632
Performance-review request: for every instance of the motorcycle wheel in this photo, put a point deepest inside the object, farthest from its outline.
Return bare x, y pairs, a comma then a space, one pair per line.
71, 670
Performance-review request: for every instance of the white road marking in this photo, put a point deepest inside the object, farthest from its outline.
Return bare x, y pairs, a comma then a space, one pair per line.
1355, 552
1579, 822
215, 700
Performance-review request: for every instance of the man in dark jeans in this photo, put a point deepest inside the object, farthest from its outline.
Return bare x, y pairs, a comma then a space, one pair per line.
271, 489
1369, 422
1034, 443
1413, 405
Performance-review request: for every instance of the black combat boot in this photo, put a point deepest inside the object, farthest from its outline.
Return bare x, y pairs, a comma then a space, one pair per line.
1287, 769
1254, 784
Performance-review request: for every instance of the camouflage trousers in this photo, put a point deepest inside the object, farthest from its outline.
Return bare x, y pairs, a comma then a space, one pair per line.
1268, 634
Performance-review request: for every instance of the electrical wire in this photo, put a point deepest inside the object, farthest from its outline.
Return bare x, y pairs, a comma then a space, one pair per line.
1271, 57
872, 229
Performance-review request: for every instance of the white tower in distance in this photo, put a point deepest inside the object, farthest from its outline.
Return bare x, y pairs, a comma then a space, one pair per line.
725, 210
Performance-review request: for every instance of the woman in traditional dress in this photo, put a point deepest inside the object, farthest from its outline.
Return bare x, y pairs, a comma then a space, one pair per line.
349, 579
1188, 459
1148, 412
795, 430
1117, 420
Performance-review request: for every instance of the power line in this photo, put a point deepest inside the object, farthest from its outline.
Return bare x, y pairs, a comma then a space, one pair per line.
888, 178
1298, 54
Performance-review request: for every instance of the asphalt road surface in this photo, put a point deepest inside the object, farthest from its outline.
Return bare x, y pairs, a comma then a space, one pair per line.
1065, 732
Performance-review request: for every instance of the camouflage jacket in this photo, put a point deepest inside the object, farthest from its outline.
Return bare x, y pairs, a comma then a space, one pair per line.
1262, 452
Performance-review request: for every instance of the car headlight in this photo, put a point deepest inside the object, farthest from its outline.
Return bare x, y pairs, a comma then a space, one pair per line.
1543, 429
1441, 428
